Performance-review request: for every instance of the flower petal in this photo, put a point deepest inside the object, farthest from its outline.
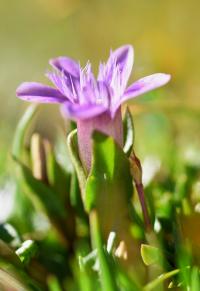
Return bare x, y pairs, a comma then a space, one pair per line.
142, 86
36, 92
76, 111
66, 65
122, 60
63, 84
146, 84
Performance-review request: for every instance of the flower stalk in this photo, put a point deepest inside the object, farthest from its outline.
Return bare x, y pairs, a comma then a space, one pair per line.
136, 170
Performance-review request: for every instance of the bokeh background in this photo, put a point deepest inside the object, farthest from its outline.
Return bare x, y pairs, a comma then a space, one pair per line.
165, 36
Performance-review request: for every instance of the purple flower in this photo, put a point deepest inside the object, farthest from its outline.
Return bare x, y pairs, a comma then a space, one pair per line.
93, 103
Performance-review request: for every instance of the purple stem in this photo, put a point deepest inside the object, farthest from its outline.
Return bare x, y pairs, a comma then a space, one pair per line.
140, 190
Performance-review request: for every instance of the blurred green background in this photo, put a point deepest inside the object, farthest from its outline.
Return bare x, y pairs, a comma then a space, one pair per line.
165, 36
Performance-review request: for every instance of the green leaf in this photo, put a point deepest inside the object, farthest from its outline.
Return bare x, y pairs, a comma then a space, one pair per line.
75, 197
155, 283
150, 255
73, 152
27, 250
125, 282
87, 281
46, 196
58, 178
107, 273
109, 184
129, 132
22, 127
53, 284
195, 279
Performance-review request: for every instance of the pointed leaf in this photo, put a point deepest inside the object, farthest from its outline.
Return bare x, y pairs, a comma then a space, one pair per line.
58, 178
150, 255
46, 196
129, 132
21, 130
109, 182
73, 152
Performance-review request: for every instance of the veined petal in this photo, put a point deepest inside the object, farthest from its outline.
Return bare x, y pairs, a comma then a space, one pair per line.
77, 112
122, 60
66, 65
63, 84
96, 93
146, 84
142, 86
36, 92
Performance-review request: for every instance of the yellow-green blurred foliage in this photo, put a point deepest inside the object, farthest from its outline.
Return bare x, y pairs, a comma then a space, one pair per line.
165, 35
